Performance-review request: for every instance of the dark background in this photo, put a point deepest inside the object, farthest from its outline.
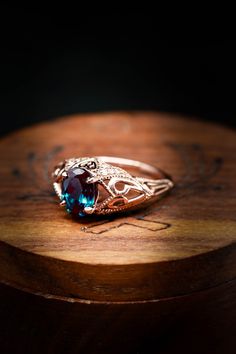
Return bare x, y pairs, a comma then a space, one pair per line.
60, 62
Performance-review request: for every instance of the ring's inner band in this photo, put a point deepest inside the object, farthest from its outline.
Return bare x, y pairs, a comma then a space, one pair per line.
141, 166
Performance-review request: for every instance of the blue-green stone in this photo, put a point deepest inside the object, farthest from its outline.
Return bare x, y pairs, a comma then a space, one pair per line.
77, 193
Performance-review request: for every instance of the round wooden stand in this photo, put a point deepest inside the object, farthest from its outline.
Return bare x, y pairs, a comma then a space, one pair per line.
115, 281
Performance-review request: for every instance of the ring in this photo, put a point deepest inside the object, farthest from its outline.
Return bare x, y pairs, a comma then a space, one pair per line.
100, 185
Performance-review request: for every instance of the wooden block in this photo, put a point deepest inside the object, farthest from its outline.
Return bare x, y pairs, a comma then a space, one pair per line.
161, 279
182, 244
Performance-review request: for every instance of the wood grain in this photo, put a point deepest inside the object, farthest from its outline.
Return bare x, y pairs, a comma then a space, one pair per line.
182, 244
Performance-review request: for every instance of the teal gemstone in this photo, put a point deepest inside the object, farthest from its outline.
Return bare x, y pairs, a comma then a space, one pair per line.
77, 193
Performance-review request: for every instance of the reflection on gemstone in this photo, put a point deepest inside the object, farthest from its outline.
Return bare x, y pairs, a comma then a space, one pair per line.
77, 193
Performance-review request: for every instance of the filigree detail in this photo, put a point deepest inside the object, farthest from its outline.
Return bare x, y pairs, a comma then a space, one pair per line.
123, 190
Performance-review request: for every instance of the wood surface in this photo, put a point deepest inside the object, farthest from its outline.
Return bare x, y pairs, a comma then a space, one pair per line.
183, 244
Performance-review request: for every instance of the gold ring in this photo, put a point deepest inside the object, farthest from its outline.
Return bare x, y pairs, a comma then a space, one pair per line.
100, 185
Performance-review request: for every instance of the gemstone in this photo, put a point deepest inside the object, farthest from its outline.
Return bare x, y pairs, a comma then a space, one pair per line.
77, 193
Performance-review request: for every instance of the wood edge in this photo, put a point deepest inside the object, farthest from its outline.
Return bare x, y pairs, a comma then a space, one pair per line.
116, 283
97, 302
122, 113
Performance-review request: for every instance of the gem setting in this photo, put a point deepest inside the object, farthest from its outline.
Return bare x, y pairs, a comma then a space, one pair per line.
77, 195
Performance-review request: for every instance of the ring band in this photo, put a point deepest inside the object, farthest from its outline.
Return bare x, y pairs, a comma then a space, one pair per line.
93, 185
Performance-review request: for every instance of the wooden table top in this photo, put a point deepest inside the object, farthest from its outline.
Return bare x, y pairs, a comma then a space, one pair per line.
181, 244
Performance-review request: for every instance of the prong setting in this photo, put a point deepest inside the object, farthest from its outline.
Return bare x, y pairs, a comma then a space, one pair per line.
89, 210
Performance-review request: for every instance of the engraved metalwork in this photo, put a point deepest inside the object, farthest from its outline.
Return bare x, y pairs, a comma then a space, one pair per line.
118, 189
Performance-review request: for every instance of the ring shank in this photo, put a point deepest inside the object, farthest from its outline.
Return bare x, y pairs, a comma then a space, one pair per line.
144, 167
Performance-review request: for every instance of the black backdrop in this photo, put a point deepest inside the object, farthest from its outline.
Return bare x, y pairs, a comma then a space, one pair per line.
57, 63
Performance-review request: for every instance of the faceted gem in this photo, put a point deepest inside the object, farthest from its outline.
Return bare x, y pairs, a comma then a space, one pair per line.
77, 193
